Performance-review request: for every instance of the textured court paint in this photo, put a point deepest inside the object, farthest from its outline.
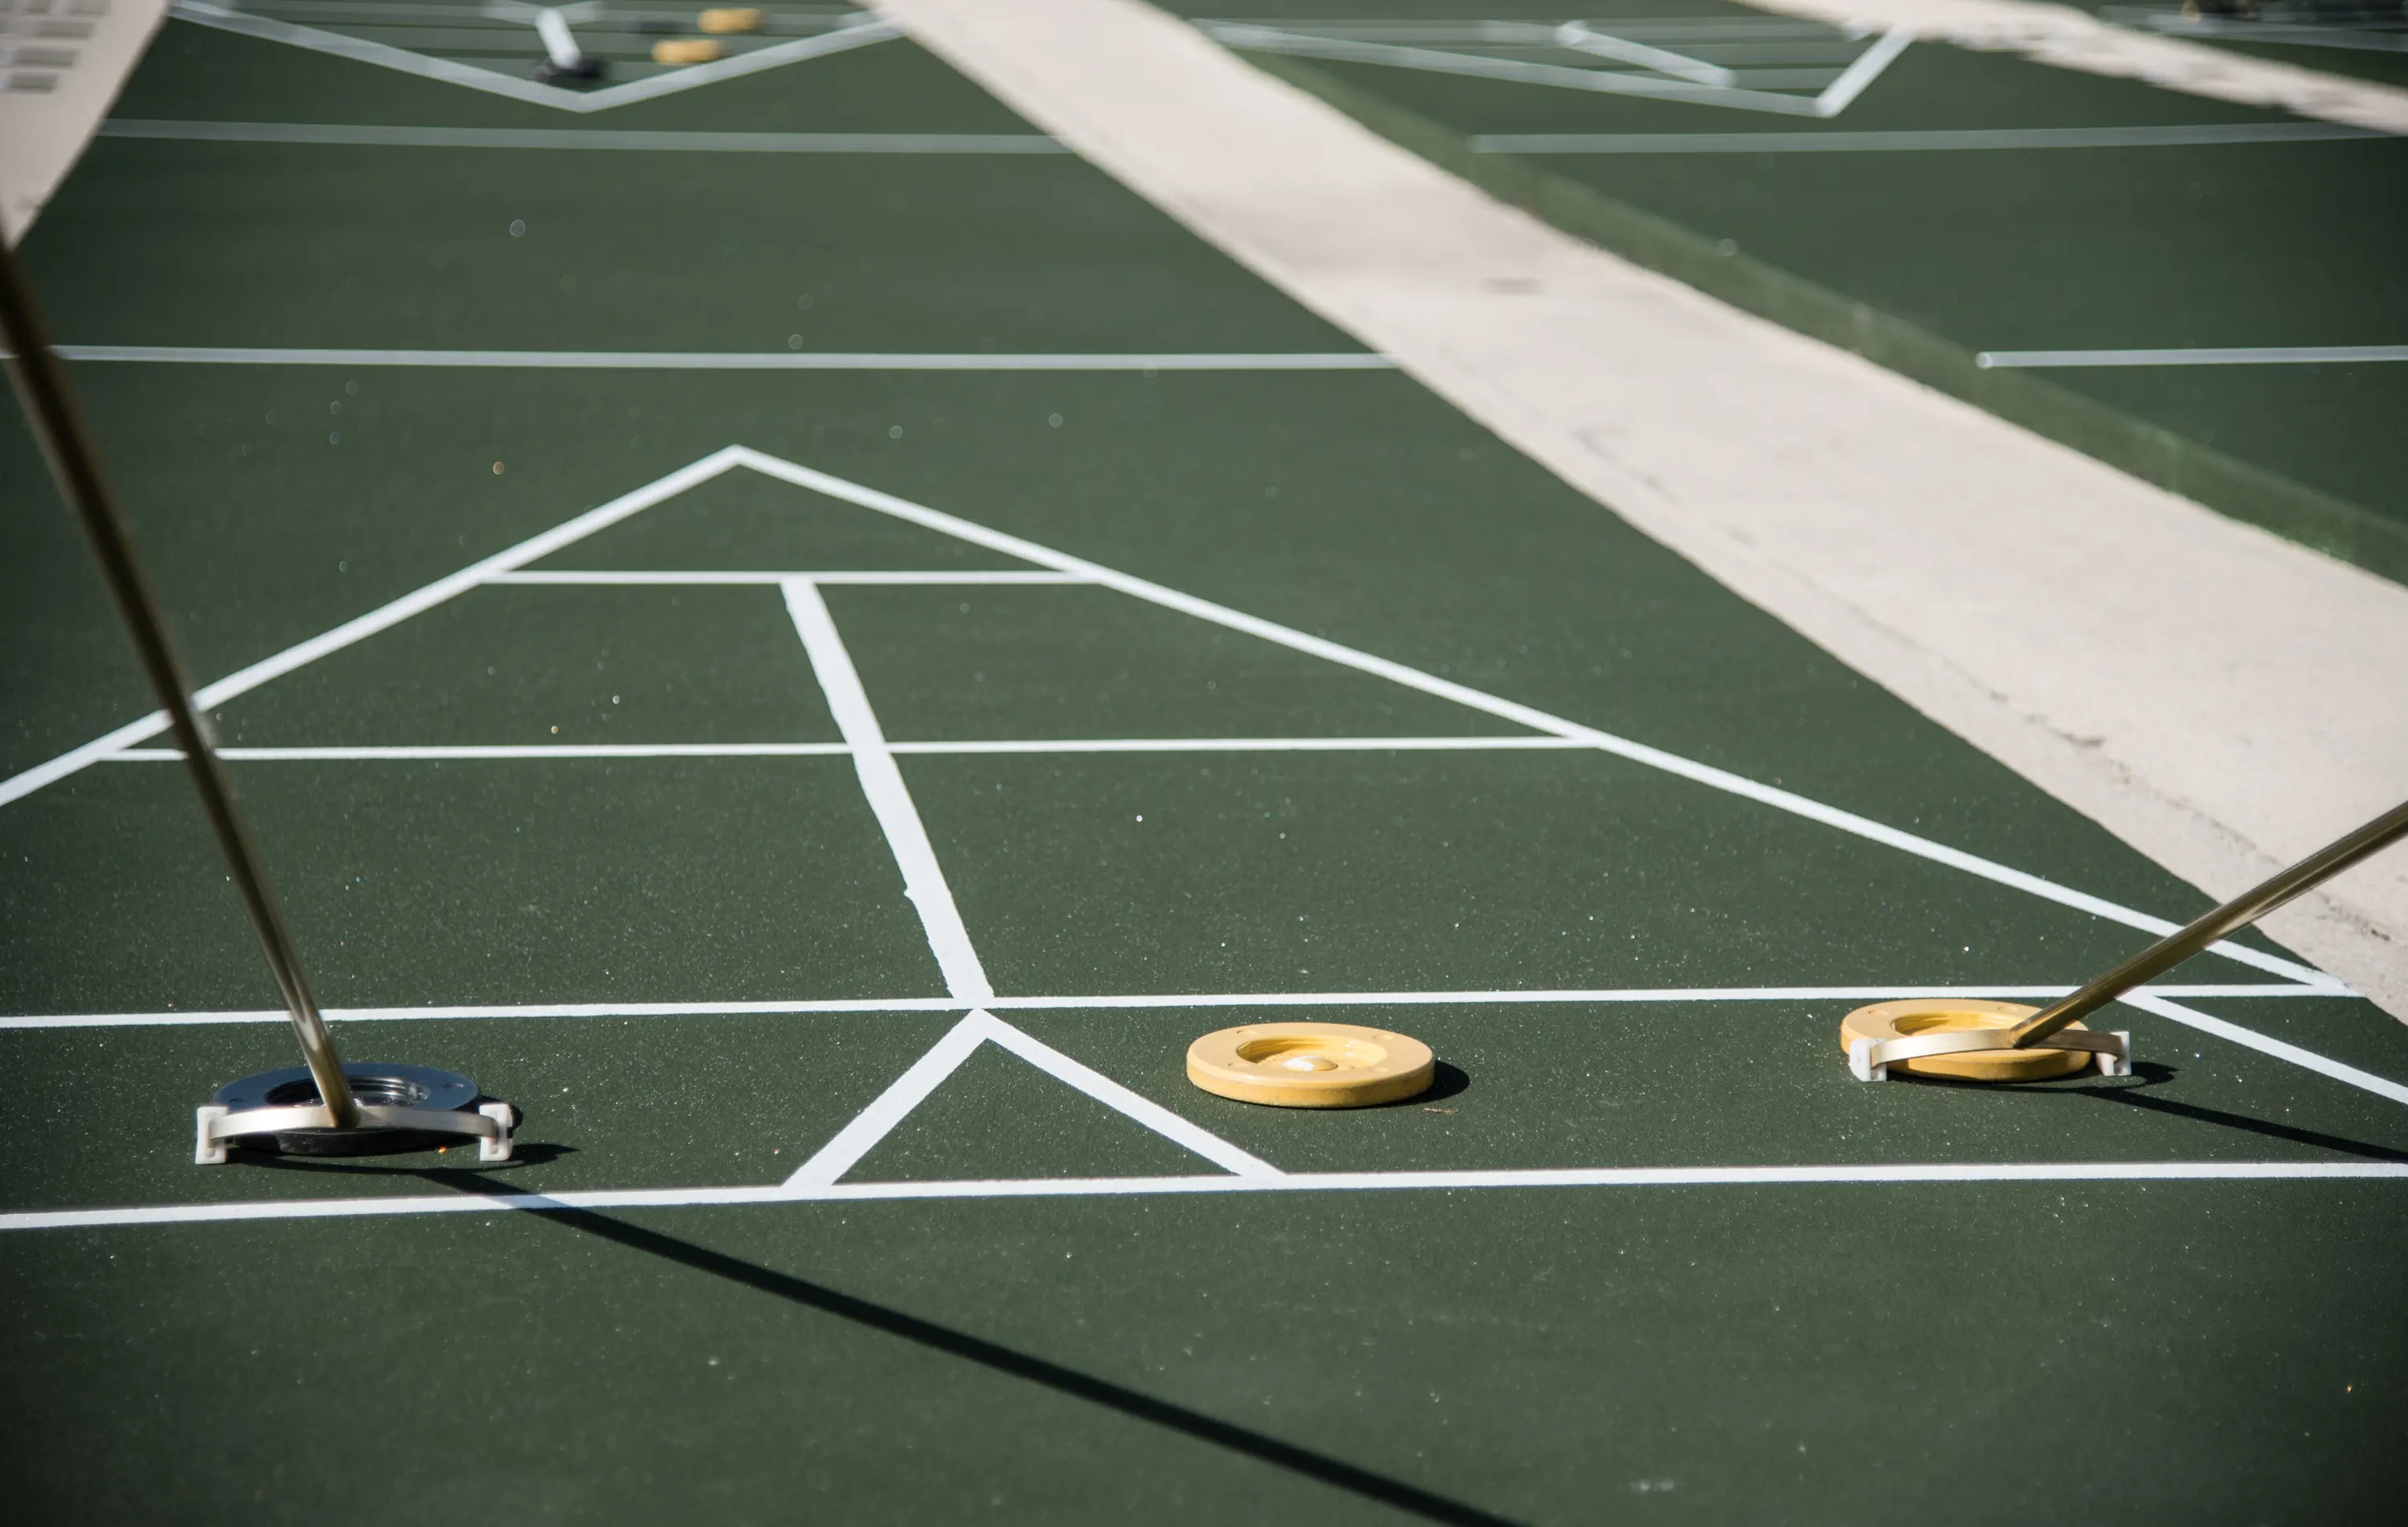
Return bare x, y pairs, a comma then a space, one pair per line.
1542, 1354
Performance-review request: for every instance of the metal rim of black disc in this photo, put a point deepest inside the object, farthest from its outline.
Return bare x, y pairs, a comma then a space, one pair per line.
374, 1082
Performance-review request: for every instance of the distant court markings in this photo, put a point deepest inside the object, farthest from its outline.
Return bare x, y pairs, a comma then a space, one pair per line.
1950, 140
842, 31
728, 360
589, 140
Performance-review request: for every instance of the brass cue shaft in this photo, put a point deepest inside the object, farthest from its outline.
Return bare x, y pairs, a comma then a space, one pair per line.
2234, 914
49, 407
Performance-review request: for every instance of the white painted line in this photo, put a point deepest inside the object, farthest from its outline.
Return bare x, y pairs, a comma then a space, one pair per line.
592, 139
1930, 141
1142, 1110
1254, 744
1121, 1001
856, 34
1249, 37
1293, 1182
1579, 37
666, 360
2263, 1044
2260, 355
923, 879
861, 1135
1863, 72
1717, 779
864, 1131
546, 752
384, 617
574, 577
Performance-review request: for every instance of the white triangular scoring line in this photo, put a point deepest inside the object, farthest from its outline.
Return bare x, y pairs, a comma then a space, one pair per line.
874, 1123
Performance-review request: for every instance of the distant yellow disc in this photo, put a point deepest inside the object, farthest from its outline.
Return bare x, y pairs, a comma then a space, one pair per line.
684, 51
1956, 1014
729, 19
1311, 1065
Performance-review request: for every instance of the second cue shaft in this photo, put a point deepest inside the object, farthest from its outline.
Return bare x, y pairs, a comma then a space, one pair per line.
2234, 914
49, 407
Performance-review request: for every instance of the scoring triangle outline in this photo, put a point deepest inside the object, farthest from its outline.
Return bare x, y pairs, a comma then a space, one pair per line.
978, 1028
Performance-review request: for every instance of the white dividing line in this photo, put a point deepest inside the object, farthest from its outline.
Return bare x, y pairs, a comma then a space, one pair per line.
1254, 745
437, 752
602, 139
2262, 355
1943, 140
846, 1148
243, 681
1293, 1182
923, 879
578, 578
864, 1129
1523, 716
1863, 72
545, 752
1122, 1001
1579, 37
1142, 1110
1262, 40
2263, 1044
666, 360
856, 34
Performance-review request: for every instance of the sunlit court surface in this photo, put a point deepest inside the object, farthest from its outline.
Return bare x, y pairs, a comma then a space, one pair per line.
813, 631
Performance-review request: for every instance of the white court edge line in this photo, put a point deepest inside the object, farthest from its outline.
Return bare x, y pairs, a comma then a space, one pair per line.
2260, 355
383, 617
903, 509
578, 577
1537, 720
438, 751
699, 360
861, 1135
347, 135
923, 879
1125, 1001
1293, 1182
2265, 1045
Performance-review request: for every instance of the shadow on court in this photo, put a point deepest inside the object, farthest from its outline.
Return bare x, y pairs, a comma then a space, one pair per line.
2133, 1092
1421, 1502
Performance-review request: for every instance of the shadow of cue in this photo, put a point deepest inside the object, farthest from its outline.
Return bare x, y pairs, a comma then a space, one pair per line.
995, 1357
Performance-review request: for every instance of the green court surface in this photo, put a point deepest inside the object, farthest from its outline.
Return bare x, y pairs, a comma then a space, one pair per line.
828, 799
2006, 231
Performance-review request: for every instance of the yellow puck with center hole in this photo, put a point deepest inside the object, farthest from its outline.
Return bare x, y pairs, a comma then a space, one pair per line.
1956, 1015
1311, 1065
729, 19
684, 51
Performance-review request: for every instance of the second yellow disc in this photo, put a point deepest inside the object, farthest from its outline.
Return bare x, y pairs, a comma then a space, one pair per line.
1311, 1065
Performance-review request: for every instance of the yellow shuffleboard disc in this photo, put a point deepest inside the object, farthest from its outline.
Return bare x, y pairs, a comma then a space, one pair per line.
1955, 1014
729, 19
684, 51
1311, 1065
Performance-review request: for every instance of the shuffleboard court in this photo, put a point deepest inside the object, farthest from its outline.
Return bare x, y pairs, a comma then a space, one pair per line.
829, 800
2184, 275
